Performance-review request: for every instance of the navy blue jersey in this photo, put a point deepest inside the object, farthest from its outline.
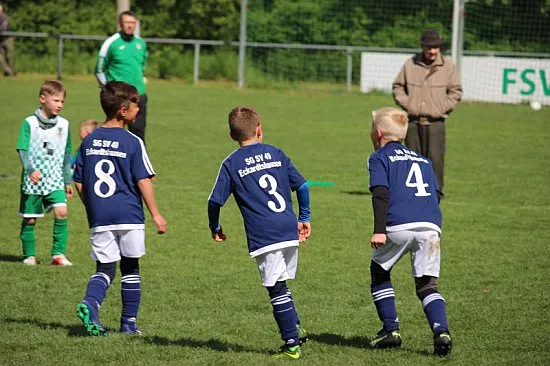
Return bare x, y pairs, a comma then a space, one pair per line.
412, 186
261, 178
109, 164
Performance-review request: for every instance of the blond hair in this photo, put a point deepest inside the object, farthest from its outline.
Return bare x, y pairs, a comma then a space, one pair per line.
243, 122
89, 125
51, 87
392, 122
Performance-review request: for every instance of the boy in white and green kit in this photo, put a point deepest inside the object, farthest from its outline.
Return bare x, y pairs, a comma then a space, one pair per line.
44, 147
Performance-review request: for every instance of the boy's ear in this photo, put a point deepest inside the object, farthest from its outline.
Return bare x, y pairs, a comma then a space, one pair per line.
259, 133
379, 133
233, 137
42, 98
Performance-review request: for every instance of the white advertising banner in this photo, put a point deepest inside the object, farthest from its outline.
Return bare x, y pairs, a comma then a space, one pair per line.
484, 79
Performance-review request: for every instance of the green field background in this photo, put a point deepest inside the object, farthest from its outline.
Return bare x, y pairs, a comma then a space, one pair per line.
203, 303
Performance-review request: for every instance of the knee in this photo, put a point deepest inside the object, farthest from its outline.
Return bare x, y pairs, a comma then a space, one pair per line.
129, 266
277, 290
378, 274
107, 269
425, 285
60, 212
28, 221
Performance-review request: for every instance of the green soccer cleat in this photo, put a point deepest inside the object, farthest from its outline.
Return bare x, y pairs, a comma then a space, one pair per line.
302, 334
387, 339
90, 319
288, 353
442, 344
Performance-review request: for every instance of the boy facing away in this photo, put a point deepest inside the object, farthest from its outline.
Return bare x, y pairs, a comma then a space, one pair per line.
261, 178
44, 147
407, 218
112, 175
87, 126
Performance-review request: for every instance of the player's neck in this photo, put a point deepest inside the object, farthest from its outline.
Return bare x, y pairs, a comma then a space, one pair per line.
249, 142
384, 141
113, 123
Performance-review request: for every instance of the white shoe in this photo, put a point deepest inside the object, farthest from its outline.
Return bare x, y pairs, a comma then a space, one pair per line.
60, 260
30, 261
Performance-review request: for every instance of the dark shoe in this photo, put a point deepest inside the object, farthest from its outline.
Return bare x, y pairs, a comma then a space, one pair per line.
129, 326
442, 344
288, 353
302, 334
387, 339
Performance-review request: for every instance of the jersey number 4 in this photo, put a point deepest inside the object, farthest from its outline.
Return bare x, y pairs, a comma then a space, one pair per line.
104, 178
416, 174
267, 181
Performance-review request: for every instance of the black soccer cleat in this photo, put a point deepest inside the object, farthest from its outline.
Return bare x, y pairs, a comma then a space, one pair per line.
442, 344
387, 339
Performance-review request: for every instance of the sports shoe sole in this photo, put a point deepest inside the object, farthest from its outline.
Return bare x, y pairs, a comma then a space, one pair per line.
388, 341
93, 329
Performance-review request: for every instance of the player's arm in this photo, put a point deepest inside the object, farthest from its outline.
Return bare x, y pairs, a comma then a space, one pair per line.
214, 221
399, 89
148, 194
79, 191
102, 62
380, 200
67, 175
304, 212
23, 150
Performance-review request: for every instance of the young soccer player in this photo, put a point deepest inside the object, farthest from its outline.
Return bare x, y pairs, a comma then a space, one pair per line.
112, 176
261, 178
86, 127
407, 218
44, 147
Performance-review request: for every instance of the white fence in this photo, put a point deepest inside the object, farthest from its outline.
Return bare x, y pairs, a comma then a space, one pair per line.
484, 78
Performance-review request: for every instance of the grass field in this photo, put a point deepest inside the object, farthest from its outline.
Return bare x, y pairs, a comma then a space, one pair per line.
203, 303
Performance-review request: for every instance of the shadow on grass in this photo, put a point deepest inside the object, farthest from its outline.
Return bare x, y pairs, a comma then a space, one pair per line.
358, 193
10, 258
358, 342
213, 344
72, 330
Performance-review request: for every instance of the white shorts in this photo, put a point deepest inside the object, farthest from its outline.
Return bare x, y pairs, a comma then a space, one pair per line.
423, 245
108, 246
278, 265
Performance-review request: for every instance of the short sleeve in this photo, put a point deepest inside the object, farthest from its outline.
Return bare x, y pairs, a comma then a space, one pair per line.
377, 172
222, 186
24, 137
141, 165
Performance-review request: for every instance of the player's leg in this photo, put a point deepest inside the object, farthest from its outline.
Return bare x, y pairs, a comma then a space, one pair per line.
290, 256
96, 291
425, 262
138, 127
57, 201
30, 208
273, 271
383, 294
132, 247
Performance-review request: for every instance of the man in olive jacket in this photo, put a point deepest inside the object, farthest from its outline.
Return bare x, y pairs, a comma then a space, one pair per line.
428, 88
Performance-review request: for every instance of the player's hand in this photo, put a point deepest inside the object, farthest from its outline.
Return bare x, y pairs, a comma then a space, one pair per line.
304, 231
219, 236
161, 223
69, 191
377, 240
36, 176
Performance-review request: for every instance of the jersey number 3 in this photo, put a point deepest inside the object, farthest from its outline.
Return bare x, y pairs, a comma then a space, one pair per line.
418, 181
267, 181
104, 178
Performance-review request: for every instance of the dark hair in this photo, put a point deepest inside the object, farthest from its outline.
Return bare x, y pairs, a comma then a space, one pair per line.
243, 122
115, 95
126, 12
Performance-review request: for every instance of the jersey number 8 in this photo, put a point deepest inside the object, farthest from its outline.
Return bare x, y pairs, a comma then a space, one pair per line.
104, 177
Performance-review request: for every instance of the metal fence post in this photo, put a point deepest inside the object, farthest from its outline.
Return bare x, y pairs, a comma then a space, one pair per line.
242, 43
196, 63
349, 70
59, 56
